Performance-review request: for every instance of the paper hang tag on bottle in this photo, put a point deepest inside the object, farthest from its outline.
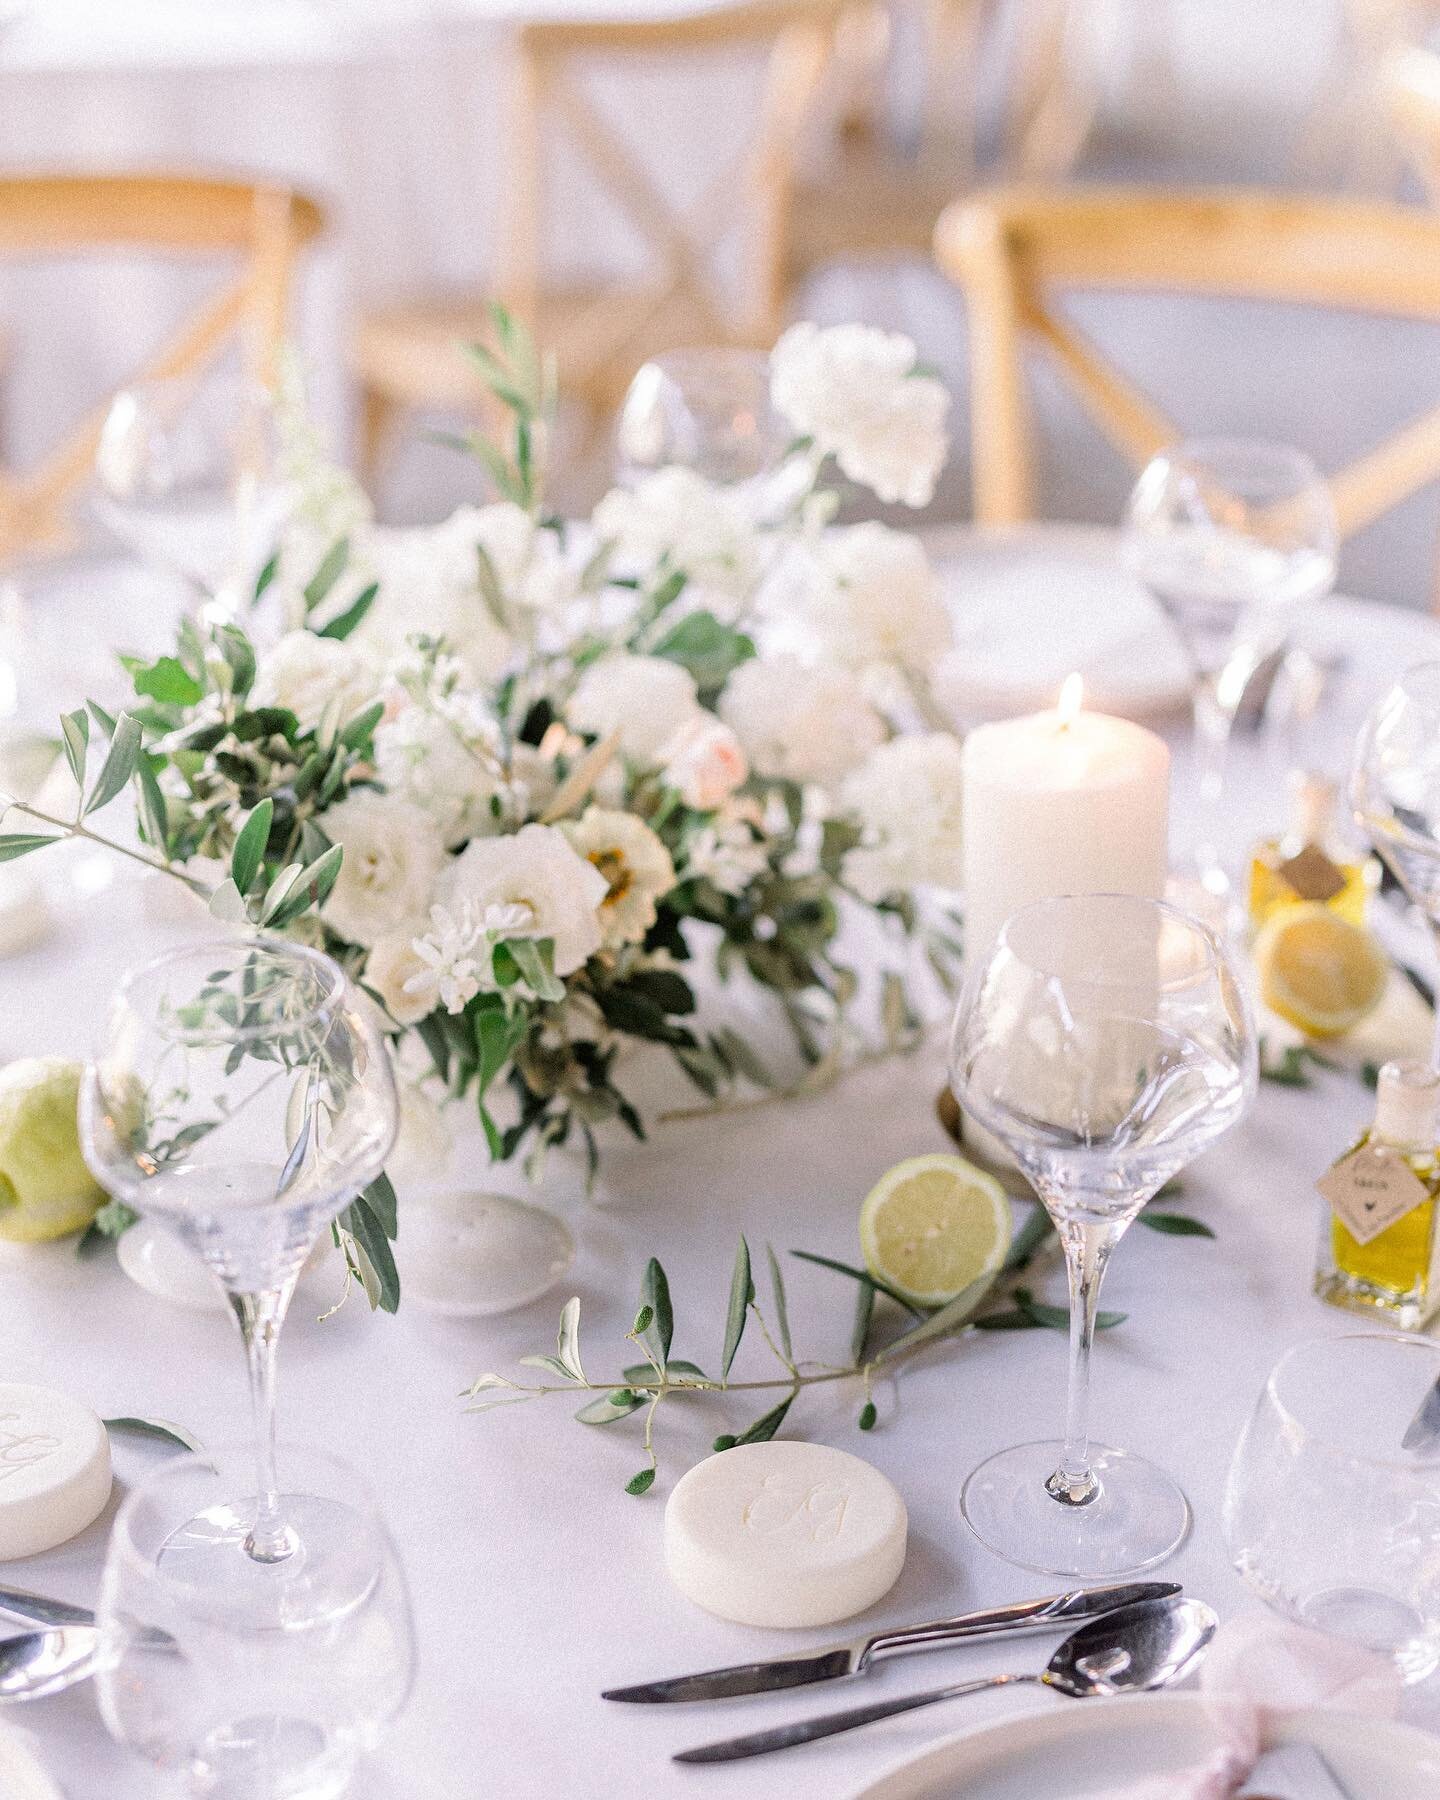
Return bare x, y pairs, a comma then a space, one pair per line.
1370, 1189
1311, 875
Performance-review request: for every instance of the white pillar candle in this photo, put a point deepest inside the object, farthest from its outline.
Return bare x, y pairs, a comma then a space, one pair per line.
1062, 802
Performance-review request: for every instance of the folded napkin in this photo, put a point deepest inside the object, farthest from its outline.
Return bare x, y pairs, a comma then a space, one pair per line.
1258, 1671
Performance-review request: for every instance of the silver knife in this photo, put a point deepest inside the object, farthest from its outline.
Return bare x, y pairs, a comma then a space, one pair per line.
837, 1661
36, 1609
1291, 1772
1423, 1431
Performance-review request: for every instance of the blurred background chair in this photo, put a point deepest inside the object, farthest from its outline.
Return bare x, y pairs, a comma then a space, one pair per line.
1412, 95
64, 216
1009, 249
714, 270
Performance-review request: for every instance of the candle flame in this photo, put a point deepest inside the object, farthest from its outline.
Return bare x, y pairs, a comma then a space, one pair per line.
1072, 695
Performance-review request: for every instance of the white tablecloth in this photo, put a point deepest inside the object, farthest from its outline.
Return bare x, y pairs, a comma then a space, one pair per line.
536, 1580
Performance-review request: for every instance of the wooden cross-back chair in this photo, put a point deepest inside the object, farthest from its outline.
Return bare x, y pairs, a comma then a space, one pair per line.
602, 330
45, 217
1010, 248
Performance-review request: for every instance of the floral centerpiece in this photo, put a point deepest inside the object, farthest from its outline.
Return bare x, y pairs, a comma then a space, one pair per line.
516, 775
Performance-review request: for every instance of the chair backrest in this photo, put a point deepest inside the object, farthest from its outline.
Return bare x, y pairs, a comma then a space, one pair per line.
555, 58
949, 32
43, 217
1411, 86
1009, 248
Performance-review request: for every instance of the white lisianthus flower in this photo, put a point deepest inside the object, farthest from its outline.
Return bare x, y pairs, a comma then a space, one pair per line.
648, 700
393, 855
805, 723
869, 595
705, 763
636, 867
854, 391
309, 675
906, 797
676, 517
554, 892
425, 756
726, 853
393, 961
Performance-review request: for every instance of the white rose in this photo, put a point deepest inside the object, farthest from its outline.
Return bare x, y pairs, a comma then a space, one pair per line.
554, 893
853, 390
310, 674
677, 517
907, 799
809, 724
393, 855
391, 963
636, 866
427, 758
705, 763
869, 595
648, 700
425, 1142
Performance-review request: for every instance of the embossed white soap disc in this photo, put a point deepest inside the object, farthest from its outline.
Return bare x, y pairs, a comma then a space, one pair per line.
164, 1265
784, 1534
473, 1254
54, 1469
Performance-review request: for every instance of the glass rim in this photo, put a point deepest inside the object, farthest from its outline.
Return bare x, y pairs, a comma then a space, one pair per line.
1220, 446
333, 976
1372, 821
1217, 963
1321, 1440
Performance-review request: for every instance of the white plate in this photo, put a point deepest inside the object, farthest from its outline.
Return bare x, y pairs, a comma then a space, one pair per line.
1030, 606
21, 1777
1080, 1748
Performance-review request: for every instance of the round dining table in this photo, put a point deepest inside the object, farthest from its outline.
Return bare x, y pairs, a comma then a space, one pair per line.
537, 1580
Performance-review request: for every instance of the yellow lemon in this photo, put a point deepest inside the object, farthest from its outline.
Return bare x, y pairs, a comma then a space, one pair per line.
1319, 971
932, 1226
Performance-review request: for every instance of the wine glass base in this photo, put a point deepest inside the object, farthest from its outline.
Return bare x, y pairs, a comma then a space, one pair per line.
319, 1570
1138, 1518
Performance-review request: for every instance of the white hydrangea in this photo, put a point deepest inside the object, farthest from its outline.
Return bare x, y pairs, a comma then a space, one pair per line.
554, 892
455, 958
906, 797
854, 390
393, 855
792, 719
636, 866
529, 559
677, 517
868, 595
648, 700
312, 675
445, 764
429, 585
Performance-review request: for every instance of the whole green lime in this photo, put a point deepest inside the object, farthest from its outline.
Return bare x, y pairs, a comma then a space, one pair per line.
45, 1188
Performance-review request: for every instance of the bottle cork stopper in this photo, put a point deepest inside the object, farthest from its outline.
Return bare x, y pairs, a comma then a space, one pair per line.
1314, 807
1406, 1098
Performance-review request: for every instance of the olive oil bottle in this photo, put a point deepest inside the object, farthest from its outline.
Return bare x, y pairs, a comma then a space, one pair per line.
1311, 862
1379, 1246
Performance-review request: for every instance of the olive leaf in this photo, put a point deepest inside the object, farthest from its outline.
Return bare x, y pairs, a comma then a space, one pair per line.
742, 1292
119, 764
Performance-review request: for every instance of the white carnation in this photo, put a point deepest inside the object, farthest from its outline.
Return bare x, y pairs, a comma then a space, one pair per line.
444, 764
906, 798
648, 700
636, 866
554, 892
853, 389
393, 856
869, 595
310, 675
806, 723
676, 517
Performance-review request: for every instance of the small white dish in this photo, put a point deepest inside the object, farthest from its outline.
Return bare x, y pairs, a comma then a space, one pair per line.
469, 1254
1089, 1747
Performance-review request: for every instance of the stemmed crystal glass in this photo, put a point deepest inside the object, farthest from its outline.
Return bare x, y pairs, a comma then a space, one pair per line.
239, 1096
1230, 536
1106, 1042
1395, 788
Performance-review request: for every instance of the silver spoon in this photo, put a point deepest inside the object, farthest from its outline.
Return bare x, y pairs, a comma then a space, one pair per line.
1146, 1645
45, 1662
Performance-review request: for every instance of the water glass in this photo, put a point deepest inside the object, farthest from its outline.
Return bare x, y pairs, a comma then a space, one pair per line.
231, 1703
1327, 1516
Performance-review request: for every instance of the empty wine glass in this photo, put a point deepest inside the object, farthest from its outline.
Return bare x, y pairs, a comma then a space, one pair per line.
241, 1097
235, 1706
1328, 1516
1395, 789
1106, 1042
707, 410
1230, 536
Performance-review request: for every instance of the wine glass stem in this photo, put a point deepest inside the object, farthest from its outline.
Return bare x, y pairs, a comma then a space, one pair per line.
1214, 721
1087, 1250
260, 1316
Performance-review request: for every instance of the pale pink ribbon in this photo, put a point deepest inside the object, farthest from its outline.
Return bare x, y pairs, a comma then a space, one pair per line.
1258, 1671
